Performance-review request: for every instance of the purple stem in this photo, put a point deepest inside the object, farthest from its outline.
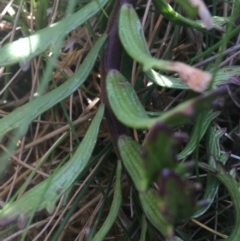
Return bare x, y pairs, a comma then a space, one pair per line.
111, 60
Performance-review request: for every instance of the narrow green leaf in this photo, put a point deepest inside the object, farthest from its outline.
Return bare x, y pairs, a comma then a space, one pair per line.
115, 207
26, 48
150, 203
46, 193
169, 13
143, 229
191, 10
128, 109
102, 154
133, 40
214, 153
166, 81
22, 117
41, 14
199, 130
213, 144
233, 187
222, 75
118, 88
130, 154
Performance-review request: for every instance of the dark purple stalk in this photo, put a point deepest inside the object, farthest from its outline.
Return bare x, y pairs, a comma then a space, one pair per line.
111, 59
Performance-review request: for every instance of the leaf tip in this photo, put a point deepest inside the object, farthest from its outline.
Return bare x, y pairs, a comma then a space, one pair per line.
197, 79
203, 13
22, 220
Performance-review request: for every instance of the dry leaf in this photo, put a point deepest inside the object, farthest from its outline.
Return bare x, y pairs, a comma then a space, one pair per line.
197, 79
203, 13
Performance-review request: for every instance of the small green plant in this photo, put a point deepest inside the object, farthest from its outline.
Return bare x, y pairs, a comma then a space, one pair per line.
156, 164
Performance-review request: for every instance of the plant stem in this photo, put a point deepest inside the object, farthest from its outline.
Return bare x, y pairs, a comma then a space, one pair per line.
111, 59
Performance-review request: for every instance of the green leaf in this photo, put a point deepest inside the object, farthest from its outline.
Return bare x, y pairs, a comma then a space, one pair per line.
128, 109
24, 115
75, 205
41, 14
166, 81
150, 202
133, 40
115, 207
213, 144
46, 193
130, 154
177, 195
159, 152
143, 229
222, 75
191, 10
169, 13
203, 121
26, 48
214, 153
233, 187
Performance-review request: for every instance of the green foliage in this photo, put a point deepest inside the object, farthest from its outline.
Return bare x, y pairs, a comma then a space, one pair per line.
113, 212
130, 153
26, 48
150, 203
128, 109
165, 194
45, 194
168, 12
158, 152
21, 117
214, 153
175, 83
41, 15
